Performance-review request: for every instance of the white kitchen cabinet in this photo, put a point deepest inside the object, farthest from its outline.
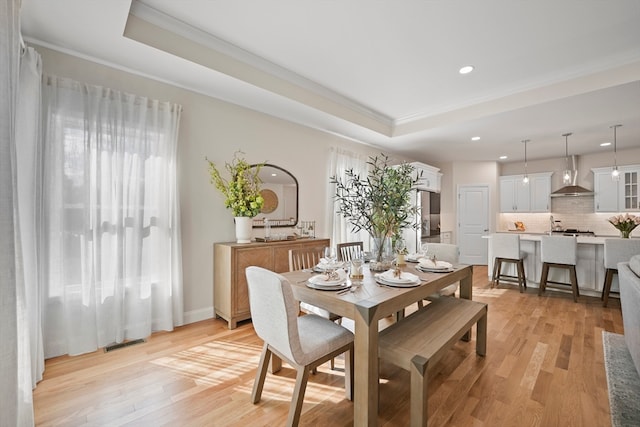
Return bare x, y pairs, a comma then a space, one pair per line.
515, 196
431, 177
616, 196
532, 197
628, 189
540, 187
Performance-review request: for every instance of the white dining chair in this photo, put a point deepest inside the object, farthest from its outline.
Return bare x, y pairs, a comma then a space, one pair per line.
559, 252
615, 251
348, 251
506, 250
304, 342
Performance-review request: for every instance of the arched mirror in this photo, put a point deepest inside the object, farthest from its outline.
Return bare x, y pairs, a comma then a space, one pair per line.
280, 192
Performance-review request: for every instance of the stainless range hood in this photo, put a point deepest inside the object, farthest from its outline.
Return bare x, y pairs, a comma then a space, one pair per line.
572, 190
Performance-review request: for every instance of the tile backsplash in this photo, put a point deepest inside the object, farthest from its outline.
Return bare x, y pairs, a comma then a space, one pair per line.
574, 212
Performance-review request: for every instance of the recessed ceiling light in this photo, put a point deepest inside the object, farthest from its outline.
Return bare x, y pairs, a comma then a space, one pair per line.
475, 138
466, 69
605, 144
503, 157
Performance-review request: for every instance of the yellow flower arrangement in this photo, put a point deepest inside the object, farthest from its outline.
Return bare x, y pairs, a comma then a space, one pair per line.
242, 190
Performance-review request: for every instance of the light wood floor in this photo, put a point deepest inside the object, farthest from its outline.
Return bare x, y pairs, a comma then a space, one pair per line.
544, 367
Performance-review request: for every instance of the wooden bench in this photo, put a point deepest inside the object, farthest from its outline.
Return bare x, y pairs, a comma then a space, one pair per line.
421, 339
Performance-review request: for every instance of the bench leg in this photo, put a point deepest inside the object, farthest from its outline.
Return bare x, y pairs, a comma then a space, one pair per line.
481, 335
418, 412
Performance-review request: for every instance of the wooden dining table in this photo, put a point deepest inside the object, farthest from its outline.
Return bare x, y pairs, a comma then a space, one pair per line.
366, 304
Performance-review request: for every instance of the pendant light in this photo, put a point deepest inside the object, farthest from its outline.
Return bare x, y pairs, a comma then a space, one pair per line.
525, 179
615, 173
566, 175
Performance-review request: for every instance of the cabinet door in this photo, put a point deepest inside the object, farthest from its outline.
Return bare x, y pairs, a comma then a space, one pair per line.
606, 192
261, 257
507, 195
540, 193
628, 190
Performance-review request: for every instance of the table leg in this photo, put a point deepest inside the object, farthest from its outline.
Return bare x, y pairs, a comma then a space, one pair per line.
365, 412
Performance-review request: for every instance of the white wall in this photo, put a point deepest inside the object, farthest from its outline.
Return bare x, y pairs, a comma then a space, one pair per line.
216, 129
466, 173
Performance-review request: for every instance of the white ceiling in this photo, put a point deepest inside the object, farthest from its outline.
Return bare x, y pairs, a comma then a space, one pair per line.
384, 72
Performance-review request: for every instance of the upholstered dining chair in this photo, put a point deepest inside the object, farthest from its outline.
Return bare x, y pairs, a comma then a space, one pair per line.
348, 251
615, 251
304, 342
559, 252
506, 249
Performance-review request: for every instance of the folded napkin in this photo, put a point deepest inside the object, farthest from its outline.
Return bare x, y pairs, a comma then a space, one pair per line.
438, 265
405, 277
324, 265
339, 276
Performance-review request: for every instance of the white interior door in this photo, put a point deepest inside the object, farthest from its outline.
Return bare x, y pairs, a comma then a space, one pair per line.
473, 223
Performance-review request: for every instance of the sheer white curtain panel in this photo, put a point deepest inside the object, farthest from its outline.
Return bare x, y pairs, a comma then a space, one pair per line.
29, 187
113, 268
342, 160
16, 404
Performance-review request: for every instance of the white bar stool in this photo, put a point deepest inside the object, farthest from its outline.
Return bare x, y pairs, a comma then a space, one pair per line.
559, 252
506, 249
615, 251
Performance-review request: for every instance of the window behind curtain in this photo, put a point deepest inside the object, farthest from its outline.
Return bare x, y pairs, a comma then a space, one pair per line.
112, 267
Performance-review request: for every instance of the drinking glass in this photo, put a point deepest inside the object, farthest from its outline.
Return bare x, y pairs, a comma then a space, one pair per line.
330, 254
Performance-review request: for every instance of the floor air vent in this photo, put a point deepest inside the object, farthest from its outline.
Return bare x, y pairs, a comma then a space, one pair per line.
123, 345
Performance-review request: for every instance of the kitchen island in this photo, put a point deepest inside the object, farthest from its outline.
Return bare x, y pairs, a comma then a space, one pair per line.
590, 267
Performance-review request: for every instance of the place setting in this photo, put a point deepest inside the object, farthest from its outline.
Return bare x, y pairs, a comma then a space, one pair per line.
396, 278
433, 265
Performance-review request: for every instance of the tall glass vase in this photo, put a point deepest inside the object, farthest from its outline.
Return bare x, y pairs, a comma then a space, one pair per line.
383, 254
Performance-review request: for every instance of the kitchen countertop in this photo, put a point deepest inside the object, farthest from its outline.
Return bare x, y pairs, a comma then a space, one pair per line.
536, 237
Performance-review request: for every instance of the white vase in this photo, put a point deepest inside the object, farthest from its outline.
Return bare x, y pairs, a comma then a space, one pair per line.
244, 225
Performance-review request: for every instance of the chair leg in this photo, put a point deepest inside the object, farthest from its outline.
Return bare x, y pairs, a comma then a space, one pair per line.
608, 279
543, 278
574, 282
348, 373
497, 266
298, 396
258, 383
522, 280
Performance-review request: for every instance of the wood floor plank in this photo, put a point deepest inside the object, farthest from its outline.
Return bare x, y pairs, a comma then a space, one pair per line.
544, 367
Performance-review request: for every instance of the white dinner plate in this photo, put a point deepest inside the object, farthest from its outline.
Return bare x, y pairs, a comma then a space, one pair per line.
405, 277
438, 265
434, 270
336, 287
382, 281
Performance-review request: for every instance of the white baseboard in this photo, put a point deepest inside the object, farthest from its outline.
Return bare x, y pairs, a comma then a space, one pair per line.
198, 315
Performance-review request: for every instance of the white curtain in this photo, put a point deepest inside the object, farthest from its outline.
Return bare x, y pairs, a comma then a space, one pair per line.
112, 269
29, 177
341, 161
16, 405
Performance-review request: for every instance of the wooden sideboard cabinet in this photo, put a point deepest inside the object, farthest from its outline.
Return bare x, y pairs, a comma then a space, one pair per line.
230, 292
